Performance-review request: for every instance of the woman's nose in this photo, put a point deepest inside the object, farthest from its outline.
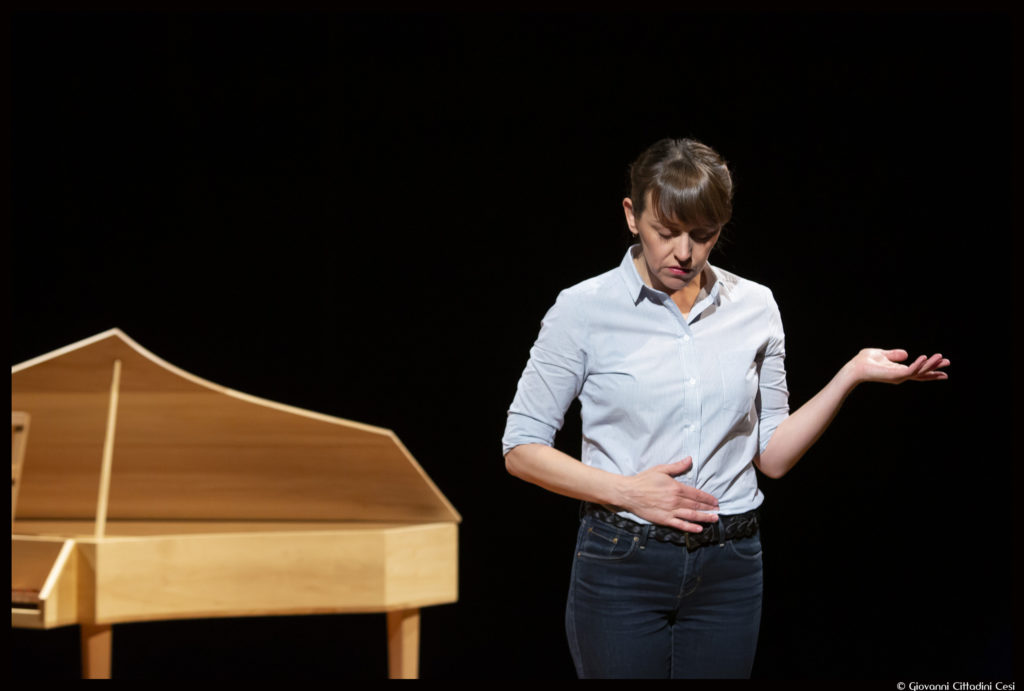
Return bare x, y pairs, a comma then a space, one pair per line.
683, 247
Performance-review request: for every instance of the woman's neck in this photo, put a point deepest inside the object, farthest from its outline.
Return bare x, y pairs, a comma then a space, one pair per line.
685, 297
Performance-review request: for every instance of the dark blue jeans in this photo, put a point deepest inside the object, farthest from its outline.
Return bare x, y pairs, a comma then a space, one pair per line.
640, 608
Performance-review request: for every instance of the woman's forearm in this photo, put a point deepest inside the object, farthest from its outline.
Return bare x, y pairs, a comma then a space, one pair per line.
798, 432
653, 494
558, 472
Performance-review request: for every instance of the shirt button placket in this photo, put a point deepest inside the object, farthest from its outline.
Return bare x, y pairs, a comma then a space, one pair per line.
691, 406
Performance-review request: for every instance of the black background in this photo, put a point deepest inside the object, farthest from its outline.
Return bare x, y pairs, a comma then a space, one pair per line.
367, 214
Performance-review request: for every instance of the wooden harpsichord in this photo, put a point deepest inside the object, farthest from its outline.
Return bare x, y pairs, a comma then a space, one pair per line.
146, 493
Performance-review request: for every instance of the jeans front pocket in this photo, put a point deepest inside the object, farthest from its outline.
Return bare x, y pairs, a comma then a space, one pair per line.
600, 540
746, 547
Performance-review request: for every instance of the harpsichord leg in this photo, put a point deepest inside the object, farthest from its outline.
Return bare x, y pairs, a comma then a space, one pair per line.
96, 649
404, 644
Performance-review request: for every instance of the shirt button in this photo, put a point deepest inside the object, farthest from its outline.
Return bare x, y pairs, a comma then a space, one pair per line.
691, 381
686, 338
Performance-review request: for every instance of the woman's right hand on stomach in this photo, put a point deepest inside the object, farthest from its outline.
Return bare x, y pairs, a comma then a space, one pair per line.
657, 496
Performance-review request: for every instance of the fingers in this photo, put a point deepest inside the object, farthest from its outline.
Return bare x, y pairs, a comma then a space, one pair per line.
914, 368
656, 495
697, 516
685, 526
693, 498
921, 369
929, 369
690, 521
930, 364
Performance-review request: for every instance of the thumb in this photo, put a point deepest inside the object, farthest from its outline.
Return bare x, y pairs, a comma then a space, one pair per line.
678, 467
896, 355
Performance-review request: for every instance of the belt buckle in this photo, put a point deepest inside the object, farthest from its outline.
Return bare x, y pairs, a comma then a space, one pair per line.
691, 543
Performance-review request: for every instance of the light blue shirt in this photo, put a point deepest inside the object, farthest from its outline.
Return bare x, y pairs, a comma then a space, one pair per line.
655, 386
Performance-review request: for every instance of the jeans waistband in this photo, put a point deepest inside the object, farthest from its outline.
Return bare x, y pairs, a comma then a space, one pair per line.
725, 528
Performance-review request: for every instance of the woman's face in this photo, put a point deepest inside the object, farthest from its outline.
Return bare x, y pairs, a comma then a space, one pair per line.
674, 254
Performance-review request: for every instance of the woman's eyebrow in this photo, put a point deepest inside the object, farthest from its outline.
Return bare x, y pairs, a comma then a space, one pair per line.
695, 230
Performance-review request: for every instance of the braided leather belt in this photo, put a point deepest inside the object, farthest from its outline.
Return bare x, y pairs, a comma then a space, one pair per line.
737, 526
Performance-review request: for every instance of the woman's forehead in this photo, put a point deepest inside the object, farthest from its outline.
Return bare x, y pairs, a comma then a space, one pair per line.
660, 209
673, 222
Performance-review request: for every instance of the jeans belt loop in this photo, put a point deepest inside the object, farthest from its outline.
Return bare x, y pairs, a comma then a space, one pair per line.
692, 541
644, 533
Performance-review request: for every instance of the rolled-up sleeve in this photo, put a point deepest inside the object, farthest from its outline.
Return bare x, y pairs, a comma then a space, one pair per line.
773, 392
553, 377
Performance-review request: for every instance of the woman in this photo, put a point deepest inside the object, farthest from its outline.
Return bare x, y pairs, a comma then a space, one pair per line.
679, 368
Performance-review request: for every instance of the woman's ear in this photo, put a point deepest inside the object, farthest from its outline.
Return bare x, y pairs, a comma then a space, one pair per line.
627, 208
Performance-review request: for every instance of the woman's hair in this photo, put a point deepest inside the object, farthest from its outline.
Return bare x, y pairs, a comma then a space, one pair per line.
688, 181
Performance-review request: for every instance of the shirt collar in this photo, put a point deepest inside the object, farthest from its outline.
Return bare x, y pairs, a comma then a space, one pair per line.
638, 289
634, 284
